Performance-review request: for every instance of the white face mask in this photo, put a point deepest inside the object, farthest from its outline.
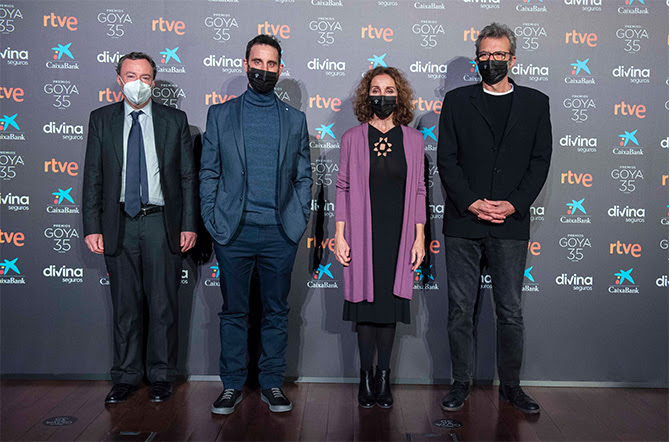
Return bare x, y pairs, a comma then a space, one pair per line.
137, 91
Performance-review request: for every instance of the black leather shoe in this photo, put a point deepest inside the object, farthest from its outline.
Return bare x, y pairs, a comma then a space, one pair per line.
458, 394
383, 396
160, 391
276, 400
515, 395
227, 401
120, 393
366, 393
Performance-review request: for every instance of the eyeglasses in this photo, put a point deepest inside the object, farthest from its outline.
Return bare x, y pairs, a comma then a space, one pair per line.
497, 56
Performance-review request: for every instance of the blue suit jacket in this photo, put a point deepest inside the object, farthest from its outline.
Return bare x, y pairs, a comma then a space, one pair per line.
223, 178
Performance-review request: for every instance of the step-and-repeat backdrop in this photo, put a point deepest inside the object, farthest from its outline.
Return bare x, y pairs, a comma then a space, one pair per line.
596, 282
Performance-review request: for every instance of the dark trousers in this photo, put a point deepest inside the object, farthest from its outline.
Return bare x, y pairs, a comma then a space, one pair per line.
274, 254
506, 260
144, 267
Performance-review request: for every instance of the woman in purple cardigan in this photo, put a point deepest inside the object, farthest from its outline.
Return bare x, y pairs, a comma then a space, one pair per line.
380, 212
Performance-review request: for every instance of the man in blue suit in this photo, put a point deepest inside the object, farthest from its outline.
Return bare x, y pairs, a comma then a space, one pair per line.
255, 190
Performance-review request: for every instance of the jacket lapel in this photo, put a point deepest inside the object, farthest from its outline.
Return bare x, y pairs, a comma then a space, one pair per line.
160, 132
477, 100
283, 127
117, 130
516, 109
236, 124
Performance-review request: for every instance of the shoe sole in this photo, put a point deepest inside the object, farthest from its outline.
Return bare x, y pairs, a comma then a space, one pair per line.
456, 408
366, 406
277, 408
520, 409
386, 407
227, 410
159, 400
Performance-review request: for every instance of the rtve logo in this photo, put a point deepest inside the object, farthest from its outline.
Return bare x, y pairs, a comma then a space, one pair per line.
320, 102
110, 96
283, 31
588, 38
55, 166
11, 93
470, 34
620, 248
56, 21
427, 105
623, 109
569, 177
12, 238
162, 25
371, 32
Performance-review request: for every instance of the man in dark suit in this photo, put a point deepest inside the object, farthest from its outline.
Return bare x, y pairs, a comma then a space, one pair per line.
139, 208
493, 156
255, 192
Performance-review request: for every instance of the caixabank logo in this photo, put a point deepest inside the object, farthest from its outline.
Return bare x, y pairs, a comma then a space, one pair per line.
580, 73
10, 129
580, 107
633, 7
62, 236
227, 65
429, 137
376, 60
636, 75
10, 272
579, 283
531, 6
472, 74
624, 283
576, 213
9, 16
168, 93
586, 5
633, 37
170, 62
532, 73
428, 32
425, 278
529, 283
575, 244
10, 161
62, 92
484, 4
220, 26
530, 36
324, 171
326, 30
14, 202
628, 144
428, 4
114, 22
628, 178
62, 58
322, 278
62, 203
628, 214
67, 275
213, 277
14, 57
326, 3
325, 138
580, 143
64, 130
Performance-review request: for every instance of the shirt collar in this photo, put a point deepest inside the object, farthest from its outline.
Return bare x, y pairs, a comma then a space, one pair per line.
497, 94
147, 110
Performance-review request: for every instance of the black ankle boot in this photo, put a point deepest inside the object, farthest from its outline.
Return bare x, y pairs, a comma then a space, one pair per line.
366, 393
383, 388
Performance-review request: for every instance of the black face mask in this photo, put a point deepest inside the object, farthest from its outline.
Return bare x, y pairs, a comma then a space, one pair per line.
492, 71
383, 105
262, 81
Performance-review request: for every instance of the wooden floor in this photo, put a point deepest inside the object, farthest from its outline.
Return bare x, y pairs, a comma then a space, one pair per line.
327, 412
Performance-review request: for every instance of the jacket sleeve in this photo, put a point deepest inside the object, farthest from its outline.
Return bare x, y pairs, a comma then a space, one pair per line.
451, 174
342, 182
210, 168
92, 190
420, 215
189, 219
303, 178
538, 167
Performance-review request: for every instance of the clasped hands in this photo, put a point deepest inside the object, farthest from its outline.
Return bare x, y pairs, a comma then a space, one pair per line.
492, 211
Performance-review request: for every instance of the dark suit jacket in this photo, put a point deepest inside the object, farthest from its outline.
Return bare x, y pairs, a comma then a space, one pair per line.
104, 163
472, 167
223, 184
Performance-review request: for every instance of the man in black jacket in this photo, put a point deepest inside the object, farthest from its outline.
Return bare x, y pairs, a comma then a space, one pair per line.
493, 156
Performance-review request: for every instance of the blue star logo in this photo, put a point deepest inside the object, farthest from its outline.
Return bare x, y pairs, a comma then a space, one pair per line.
629, 136
527, 274
215, 269
7, 265
63, 194
7, 121
428, 132
424, 272
169, 54
575, 206
475, 67
377, 60
630, 2
60, 50
623, 276
324, 270
325, 130
579, 66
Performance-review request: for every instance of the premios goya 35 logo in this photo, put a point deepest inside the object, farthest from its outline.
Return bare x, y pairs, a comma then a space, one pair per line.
576, 244
220, 25
633, 37
326, 30
115, 21
529, 36
628, 177
580, 107
62, 92
9, 161
428, 32
9, 14
61, 235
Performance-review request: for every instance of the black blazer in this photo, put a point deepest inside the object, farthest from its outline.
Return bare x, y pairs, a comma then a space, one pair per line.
472, 167
104, 162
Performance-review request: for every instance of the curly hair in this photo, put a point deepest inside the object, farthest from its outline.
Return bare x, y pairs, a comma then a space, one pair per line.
403, 115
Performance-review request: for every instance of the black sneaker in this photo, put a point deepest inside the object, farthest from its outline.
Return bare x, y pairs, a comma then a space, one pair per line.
515, 395
276, 399
227, 401
455, 399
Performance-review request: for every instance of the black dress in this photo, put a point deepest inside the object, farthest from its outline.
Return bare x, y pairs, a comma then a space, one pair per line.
388, 173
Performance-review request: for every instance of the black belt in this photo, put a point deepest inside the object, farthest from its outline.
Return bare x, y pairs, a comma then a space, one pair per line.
146, 209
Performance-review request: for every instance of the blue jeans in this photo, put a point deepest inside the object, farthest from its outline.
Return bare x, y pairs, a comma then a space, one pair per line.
268, 248
506, 262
